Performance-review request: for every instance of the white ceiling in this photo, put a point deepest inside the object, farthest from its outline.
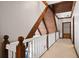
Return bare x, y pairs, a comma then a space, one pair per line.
53, 2
64, 14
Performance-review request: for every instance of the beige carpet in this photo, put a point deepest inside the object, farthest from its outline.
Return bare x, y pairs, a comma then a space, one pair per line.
63, 48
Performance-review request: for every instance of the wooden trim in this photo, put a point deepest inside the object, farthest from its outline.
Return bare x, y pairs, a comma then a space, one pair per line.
54, 17
35, 27
45, 26
63, 29
73, 32
39, 31
53, 11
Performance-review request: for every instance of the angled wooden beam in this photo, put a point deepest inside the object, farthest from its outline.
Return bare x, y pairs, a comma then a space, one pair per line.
45, 3
54, 16
71, 11
35, 27
63, 6
74, 2
45, 26
39, 31
47, 33
53, 11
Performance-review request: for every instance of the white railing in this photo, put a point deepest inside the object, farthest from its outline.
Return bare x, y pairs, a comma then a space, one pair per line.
52, 37
36, 45
57, 35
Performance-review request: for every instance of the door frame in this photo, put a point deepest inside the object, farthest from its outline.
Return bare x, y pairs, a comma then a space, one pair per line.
63, 29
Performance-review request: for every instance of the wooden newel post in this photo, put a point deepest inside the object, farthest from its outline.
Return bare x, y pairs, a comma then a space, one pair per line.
20, 48
4, 50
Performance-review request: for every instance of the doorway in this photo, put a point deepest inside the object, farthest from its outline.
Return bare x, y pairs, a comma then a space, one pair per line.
66, 30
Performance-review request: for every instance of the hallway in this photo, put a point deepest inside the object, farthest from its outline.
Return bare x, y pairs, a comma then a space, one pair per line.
63, 48
26, 31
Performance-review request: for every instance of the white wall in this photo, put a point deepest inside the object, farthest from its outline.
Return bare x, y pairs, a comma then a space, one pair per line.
76, 26
51, 38
17, 18
57, 36
59, 25
37, 33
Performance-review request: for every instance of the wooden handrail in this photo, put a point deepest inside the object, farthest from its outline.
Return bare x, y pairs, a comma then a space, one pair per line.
35, 27
20, 48
45, 3
4, 50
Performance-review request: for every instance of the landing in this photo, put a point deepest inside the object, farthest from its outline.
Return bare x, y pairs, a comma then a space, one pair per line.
63, 48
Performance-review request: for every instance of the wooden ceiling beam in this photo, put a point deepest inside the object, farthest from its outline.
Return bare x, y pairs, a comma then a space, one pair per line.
35, 27
45, 3
73, 6
45, 26
53, 11
39, 31
63, 6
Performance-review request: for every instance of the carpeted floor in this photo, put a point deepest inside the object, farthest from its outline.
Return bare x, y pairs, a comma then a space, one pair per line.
63, 48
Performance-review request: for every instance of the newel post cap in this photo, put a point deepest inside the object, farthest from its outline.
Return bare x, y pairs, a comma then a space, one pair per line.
6, 37
20, 38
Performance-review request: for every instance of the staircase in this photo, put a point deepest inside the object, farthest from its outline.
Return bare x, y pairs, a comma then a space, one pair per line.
34, 45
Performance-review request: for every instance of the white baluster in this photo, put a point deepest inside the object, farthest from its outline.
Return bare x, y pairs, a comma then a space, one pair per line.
10, 54
14, 55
